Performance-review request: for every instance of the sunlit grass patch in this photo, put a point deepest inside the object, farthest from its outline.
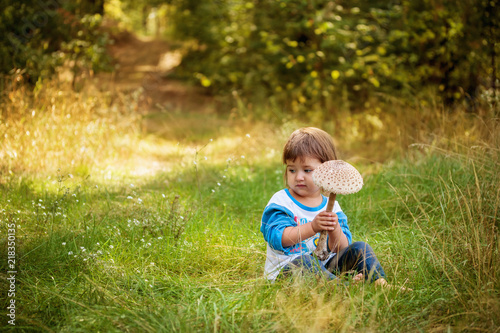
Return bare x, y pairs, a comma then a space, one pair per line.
61, 129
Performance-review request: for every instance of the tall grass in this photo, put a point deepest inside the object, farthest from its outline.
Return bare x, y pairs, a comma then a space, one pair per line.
450, 205
148, 234
56, 128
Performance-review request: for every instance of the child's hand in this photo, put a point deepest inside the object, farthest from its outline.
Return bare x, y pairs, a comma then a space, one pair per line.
325, 221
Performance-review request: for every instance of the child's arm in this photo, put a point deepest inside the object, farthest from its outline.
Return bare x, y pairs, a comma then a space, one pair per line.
340, 237
275, 220
323, 221
337, 240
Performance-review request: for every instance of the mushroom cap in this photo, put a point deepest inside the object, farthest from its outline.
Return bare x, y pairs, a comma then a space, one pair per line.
337, 177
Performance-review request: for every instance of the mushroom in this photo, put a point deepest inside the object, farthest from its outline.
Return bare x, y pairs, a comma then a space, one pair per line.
334, 177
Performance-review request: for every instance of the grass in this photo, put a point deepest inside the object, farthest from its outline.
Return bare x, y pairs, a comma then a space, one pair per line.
149, 233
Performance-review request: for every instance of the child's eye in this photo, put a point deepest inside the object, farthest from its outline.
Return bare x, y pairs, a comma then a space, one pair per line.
291, 170
308, 170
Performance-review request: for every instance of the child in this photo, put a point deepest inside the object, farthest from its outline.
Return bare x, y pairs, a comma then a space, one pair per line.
294, 217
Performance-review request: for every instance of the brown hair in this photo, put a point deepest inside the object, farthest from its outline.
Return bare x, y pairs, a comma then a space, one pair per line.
309, 142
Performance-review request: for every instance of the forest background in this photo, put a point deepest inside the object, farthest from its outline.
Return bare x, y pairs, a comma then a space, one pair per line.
140, 141
299, 55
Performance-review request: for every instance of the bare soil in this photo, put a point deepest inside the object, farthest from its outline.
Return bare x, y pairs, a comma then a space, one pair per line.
146, 63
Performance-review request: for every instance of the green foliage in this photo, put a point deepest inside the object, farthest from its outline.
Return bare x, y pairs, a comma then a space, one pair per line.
43, 35
302, 54
141, 16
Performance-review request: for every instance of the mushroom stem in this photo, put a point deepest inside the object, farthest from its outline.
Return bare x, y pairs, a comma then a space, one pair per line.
331, 202
321, 250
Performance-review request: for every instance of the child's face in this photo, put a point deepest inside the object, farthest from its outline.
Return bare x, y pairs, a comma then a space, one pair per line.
299, 177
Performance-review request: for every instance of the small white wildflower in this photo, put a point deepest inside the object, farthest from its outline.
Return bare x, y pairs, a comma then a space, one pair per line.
96, 186
151, 286
218, 184
248, 135
111, 246
160, 237
139, 199
242, 156
152, 264
206, 158
129, 197
181, 217
112, 260
70, 175
163, 195
64, 244
213, 191
194, 162
74, 194
142, 240
132, 185
211, 140
70, 253
98, 243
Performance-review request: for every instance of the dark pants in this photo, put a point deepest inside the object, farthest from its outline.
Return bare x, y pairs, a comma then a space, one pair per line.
358, 257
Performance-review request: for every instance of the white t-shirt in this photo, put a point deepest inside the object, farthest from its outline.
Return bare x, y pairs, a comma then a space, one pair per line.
283, 211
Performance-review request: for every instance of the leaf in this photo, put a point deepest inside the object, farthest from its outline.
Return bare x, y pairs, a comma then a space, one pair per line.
371, 58
374, 81
206, 82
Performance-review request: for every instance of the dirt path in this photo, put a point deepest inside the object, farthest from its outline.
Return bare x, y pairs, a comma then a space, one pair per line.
171, 108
